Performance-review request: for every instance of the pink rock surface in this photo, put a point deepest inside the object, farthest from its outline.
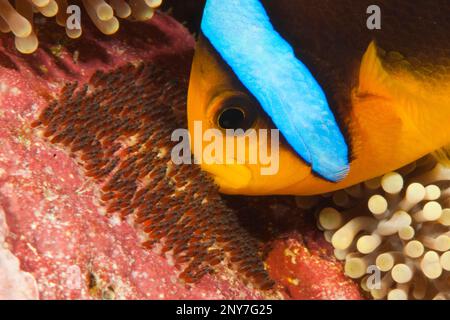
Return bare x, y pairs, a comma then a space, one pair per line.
299, 259
14, 283
304, 267
56, 242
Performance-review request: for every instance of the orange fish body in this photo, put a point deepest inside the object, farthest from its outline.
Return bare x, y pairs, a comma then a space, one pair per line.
389, 90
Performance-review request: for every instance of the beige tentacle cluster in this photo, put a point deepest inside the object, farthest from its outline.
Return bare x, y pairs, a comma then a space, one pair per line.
393, 232
18, 16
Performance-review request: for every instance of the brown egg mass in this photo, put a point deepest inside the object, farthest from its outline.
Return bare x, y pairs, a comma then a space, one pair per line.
119, 127
20, 17
398, 225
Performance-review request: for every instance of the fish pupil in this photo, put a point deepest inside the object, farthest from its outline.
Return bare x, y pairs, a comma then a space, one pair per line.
233, 118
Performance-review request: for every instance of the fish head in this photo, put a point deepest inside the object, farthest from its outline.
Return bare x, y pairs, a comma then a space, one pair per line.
218, 102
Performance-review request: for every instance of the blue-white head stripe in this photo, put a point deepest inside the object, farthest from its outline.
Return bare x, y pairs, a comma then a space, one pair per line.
241, 32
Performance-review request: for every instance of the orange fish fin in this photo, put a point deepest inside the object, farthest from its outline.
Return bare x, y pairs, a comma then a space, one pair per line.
408, 92
443, 155
417, 105
373, 78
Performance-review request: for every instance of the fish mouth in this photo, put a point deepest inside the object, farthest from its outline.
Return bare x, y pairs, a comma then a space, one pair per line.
231, 179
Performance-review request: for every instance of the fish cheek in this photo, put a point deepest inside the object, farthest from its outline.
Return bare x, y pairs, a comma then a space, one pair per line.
293, 170
278, 168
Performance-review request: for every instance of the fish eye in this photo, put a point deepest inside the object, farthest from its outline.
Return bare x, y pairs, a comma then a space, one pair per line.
237, 113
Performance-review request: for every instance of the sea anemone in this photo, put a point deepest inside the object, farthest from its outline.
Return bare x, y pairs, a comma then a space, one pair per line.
19, 19
397, 227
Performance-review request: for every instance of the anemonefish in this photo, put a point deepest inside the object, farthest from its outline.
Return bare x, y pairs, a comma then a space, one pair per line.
350, 103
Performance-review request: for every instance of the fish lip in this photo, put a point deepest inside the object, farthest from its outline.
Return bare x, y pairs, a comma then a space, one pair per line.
230, 178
